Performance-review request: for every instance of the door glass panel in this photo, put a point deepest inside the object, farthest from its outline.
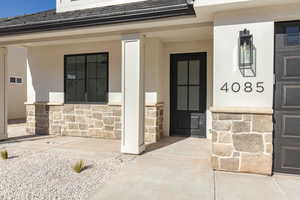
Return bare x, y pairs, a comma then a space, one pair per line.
194, 72
182, 72
194, 100
182, 103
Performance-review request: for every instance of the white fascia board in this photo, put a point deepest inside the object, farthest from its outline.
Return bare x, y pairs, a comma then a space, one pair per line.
205, 3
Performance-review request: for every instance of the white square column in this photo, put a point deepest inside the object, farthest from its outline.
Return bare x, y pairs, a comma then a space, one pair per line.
133, 94
3, 88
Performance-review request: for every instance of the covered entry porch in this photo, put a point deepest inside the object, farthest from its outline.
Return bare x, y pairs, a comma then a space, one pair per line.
132, 99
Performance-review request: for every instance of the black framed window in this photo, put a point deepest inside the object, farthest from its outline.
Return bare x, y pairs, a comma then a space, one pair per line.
86, 78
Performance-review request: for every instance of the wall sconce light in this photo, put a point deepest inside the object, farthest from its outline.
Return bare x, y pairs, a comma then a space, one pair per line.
246, 54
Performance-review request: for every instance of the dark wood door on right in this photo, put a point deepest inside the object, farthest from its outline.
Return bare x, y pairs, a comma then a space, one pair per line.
188, 94
287, 98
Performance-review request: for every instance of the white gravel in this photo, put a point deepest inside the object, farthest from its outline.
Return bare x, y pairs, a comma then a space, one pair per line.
47, 175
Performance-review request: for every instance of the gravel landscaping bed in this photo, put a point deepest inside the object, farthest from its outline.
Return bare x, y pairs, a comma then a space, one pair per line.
48, 175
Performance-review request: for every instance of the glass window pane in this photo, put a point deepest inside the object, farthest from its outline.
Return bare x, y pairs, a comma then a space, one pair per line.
102, 89
90, 87
75, 90
97, 90
182, 72
92, 91
102, 58
80, 70
182, 98
75, 86
97, 79
194, 100
194, 72
19, 80
92, 70
71, 59
91, 58
80, 59
102, 70
80, 91
12, 79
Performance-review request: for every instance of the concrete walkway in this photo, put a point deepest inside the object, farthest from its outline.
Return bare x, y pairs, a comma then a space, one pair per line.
179, 169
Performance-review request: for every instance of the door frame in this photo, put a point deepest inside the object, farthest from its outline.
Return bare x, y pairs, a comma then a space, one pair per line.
171, 92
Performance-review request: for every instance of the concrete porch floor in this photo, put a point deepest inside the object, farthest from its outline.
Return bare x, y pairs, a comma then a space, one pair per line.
179, 169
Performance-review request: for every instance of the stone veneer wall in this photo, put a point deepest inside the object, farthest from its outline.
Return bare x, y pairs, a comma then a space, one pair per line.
242, 143
85, 120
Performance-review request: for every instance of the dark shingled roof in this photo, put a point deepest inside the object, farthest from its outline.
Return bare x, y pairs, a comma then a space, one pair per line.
51, 20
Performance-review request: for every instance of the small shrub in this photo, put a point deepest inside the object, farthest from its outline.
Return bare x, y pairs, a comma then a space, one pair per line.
79, 166
4, 155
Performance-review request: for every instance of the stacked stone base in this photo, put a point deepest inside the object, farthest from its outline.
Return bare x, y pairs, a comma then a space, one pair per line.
84, 120
242, 143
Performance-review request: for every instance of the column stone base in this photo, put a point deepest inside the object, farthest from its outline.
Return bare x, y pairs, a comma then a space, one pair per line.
242, 142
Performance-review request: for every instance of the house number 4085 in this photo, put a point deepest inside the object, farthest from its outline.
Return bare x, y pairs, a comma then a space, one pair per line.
246, 87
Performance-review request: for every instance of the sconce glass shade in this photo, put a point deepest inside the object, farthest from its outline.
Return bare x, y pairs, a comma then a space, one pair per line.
246, 48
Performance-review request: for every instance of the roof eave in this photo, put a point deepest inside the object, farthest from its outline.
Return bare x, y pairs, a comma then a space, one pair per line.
176, 11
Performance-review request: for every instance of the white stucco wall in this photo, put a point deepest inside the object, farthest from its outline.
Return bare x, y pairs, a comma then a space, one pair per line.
16, 93
154, 79
260, 22
46, 69
227, 68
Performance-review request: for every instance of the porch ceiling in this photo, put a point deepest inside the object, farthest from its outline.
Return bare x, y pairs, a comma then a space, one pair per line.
184, 34
178, 33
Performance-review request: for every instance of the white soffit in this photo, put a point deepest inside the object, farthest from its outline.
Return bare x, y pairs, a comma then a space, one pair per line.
184, 34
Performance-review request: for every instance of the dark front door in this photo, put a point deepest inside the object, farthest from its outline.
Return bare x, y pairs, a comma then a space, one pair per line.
287, 98
188, 94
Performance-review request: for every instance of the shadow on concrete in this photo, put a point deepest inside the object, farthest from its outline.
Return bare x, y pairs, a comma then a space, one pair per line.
165, 141
25, 138
16, 121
